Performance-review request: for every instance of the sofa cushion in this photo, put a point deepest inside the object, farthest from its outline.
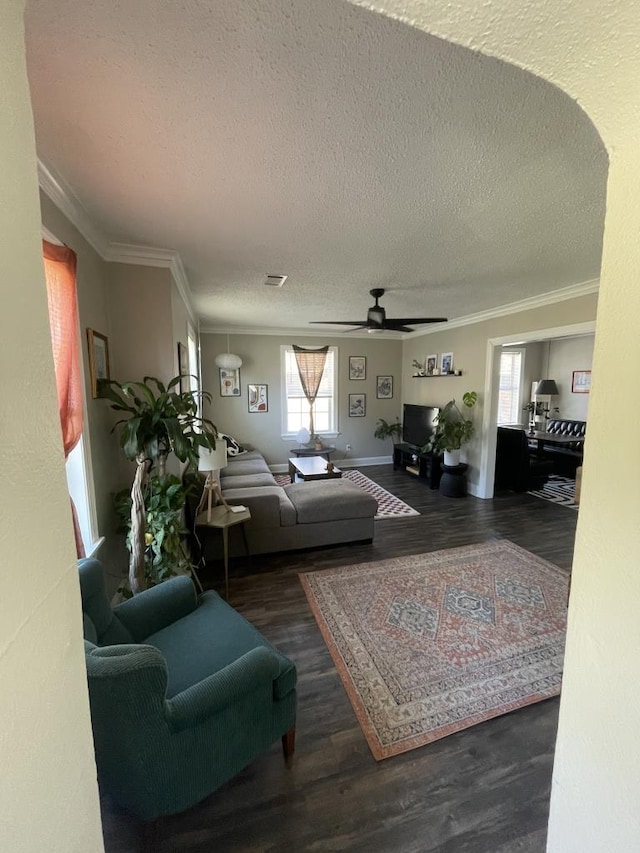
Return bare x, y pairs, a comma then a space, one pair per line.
191, 652
246, 481
330, 500
269, 505
241, 466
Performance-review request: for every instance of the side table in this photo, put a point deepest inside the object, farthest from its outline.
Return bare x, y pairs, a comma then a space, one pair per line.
453, 483
311, 451
222, 518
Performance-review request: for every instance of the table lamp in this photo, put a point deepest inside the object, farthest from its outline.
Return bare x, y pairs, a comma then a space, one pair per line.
211, 462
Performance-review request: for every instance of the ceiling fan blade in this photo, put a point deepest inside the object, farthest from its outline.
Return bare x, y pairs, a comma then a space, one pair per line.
337, 322
396, 326
416, 320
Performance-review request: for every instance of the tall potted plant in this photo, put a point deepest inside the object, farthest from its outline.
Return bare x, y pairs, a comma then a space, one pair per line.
157, 420
384, 430
453, 429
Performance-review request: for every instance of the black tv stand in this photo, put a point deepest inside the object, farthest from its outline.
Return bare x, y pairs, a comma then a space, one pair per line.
428, 466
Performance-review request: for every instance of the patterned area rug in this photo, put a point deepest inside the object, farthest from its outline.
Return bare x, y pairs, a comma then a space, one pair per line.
435, 643
389, 506
558, 490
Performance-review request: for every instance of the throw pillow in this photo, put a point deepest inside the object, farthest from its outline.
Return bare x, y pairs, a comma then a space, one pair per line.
234, 448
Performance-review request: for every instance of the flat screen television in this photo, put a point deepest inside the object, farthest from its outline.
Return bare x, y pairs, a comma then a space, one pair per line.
418, 423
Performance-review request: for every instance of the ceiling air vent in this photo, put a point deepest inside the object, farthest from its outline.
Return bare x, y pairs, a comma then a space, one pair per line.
275, 280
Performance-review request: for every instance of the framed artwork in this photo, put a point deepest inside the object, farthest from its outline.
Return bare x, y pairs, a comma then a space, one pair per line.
357, 367
446, 362
257, 398
229, 381
431, 364
384, 387
98, 360
183, 367
581, 382
357, 405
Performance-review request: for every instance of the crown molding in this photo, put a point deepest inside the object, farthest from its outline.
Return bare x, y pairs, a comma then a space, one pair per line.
64, 198
573, 291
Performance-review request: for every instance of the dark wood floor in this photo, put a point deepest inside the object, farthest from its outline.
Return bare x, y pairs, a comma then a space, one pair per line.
484, 790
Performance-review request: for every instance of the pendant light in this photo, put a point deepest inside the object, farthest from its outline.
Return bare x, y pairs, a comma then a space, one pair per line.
228, 360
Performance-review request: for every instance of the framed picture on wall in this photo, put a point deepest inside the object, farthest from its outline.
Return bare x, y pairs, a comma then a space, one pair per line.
581, 381
431, 364
384, 387
357, 367
98, 360
229, 381
183, 367
357, 405
446, 362
257, 398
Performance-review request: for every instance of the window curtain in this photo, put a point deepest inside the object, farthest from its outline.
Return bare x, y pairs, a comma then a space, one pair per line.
311, 364
60, 275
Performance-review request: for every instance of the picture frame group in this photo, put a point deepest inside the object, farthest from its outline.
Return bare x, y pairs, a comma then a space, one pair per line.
229, 381
99, 366
357, 367
357, 405
257, 398
384, 387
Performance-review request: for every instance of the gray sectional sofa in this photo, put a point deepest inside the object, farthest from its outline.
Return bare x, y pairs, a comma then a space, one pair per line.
299, 515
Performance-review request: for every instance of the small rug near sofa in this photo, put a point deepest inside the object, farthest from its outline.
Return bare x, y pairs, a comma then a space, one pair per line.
558, 490
389, 506
432, 644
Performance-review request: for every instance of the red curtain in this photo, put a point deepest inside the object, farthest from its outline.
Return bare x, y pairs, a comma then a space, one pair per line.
60, 274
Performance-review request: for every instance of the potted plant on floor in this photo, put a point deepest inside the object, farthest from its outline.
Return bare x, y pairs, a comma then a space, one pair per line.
384, 430
158, 420
453, 429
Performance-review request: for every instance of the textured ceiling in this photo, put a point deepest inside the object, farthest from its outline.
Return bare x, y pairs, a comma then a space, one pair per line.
318, 140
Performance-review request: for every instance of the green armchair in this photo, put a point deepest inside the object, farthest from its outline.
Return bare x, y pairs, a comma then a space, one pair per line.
184, 693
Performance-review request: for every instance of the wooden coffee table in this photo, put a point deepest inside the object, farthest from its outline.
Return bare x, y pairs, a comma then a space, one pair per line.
311, 468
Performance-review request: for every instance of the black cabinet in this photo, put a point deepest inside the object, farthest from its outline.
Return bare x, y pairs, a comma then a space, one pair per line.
426, 465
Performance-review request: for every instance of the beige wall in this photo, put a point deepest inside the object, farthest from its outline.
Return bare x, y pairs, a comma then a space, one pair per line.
565, 356
261, 364
48, 792
141, 316
469, 347
179, 324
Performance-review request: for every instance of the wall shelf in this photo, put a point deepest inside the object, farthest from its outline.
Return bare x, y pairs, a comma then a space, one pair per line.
434, 375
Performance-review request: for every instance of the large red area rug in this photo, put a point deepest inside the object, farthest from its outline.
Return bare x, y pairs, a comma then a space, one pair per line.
389, 506
435, 643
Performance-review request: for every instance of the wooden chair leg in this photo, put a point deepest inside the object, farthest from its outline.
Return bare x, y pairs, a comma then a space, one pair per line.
288, 745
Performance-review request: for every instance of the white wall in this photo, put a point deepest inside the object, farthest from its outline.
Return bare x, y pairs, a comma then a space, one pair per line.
48, 791
565, 356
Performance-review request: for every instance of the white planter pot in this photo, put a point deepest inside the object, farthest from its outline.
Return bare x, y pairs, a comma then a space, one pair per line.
452, 457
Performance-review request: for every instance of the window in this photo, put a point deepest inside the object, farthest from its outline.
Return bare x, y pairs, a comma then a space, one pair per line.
295, 407
509, 404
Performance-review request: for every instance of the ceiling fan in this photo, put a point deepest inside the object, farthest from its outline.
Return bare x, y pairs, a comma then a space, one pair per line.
377, 319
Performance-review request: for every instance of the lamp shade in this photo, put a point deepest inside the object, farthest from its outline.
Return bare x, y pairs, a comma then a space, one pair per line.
547, 388
228, 360
213, 460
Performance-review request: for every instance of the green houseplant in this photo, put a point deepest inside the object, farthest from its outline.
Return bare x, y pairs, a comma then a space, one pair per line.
453, 429
158, 420
384, 430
